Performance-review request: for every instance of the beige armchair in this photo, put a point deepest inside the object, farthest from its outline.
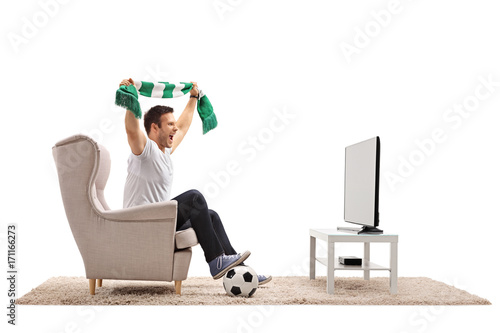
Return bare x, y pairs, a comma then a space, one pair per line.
137, 243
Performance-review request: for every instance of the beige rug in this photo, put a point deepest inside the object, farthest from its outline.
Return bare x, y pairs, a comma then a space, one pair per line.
280, 291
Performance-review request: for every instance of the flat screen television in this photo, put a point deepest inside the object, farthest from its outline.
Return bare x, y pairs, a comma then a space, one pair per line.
361, 187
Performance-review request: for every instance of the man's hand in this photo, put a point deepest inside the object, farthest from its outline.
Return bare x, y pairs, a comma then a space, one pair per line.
127, 82
194, 91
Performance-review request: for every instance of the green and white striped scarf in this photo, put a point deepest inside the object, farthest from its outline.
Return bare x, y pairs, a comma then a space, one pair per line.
127, 97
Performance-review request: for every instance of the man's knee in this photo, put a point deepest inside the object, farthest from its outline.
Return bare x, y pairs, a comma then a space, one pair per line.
199, 201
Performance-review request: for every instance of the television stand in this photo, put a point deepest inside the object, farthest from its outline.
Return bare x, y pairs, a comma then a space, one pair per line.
363, 230
331, 262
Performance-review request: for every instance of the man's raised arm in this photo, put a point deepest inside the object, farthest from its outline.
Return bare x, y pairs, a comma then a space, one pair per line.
136, 137
186, 117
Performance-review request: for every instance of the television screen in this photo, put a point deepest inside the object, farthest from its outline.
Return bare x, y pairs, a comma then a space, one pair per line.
361, 183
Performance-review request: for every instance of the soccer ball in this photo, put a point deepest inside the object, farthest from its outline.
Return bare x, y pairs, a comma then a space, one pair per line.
241, 281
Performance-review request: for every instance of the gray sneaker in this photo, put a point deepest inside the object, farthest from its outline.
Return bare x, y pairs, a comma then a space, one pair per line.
264, 279
222, 264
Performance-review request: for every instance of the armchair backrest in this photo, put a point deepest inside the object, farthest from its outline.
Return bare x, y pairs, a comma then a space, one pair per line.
83, 169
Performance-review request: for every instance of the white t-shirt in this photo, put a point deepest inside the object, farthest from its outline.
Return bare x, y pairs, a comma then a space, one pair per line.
150, 176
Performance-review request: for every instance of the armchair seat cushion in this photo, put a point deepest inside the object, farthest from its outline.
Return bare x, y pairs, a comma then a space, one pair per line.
185, 238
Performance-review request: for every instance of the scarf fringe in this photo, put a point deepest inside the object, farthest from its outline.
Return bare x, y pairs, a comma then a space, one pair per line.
209, 123
129, 102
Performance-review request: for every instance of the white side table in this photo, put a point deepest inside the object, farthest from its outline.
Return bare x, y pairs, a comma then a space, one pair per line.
332, 236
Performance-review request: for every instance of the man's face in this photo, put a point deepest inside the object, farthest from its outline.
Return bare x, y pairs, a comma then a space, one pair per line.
167, 130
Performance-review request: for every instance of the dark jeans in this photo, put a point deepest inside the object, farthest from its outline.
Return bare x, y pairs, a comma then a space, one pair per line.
193, 212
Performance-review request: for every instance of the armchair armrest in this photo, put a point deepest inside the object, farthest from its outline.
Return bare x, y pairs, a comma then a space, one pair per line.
160, 211
135, 243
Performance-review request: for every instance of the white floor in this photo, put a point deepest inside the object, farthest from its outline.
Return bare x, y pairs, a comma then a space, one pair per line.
397, 319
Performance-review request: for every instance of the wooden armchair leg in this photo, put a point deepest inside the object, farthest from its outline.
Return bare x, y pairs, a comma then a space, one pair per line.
178, 287
92, 286
99, 282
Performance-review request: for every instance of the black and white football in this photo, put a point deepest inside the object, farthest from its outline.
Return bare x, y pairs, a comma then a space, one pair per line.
241, 281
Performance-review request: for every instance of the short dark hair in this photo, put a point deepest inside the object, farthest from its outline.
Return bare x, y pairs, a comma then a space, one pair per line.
153, 116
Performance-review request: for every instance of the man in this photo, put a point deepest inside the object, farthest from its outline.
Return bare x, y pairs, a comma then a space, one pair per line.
150, 175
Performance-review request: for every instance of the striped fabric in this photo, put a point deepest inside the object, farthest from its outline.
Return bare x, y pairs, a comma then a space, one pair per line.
128, 97
163, 89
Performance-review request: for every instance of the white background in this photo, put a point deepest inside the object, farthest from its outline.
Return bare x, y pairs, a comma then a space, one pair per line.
255, 59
